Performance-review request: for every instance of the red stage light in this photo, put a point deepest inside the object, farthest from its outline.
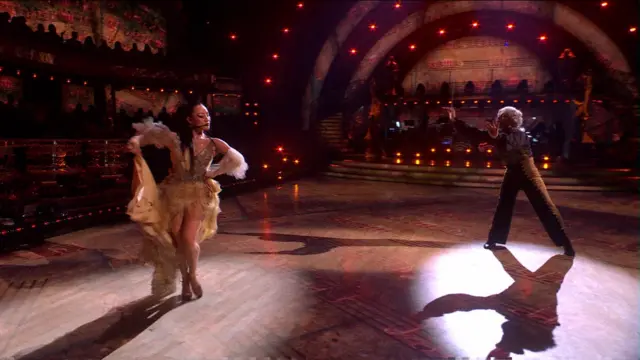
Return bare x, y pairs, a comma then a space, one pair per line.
604, 4
233, 36
397, 5
474, 24
372, 27
300, 5
285, 30
542, 38
441, 31
275, 56
268, 81
632, 29
412, 47
353, 51
280, 149
510, 27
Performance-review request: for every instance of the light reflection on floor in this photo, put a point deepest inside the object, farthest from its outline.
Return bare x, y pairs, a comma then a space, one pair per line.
453, 299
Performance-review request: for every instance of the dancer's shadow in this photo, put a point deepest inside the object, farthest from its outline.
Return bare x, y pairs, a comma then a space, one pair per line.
101, 337
313, 245
530, 304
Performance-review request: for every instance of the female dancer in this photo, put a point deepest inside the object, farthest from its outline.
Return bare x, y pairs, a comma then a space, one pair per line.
182, 210
514, 148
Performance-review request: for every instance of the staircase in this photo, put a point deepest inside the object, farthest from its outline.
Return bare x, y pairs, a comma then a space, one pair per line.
574, 180
330, 133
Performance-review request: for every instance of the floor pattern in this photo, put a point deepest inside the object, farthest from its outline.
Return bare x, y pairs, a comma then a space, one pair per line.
333, 269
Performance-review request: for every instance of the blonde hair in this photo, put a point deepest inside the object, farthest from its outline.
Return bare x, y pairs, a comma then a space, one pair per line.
510, 116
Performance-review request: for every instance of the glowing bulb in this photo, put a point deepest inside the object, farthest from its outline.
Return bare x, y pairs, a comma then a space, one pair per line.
280, 149
300, 5
353, 51
417, 162
233, 36
474, 24
373, 26
468, 151
632, 29
398, 161
433, 150
545, 166
35, 76
412, 47
604, 4
441, 31
285, 159
275, 56
448, 150
285, 30
510, 27
417, 154
542, 38
296, 161
489, 164
398, 154
545, 158
397, 5
268, 81
467, 164
265, 166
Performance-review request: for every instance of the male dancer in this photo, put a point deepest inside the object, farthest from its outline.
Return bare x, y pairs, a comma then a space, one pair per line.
513, 146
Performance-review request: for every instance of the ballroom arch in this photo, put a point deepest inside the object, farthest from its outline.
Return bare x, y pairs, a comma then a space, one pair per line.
570, 20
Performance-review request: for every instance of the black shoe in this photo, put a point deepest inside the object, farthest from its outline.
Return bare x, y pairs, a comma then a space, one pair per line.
493, 246
568, 251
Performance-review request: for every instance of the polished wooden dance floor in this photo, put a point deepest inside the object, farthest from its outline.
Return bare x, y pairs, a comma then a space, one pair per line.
340, 269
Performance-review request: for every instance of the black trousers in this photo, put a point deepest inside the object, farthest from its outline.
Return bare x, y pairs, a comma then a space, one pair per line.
525, 176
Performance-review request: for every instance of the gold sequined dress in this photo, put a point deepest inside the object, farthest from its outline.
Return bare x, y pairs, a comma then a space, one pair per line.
154, 206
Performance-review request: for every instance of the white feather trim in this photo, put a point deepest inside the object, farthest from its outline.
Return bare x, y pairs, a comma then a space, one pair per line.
155, 133
232, 164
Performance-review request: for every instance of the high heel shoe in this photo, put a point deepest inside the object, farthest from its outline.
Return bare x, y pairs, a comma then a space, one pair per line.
196, 287
186, 290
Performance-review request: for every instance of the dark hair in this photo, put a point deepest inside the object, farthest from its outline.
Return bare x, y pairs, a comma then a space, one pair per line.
182, 128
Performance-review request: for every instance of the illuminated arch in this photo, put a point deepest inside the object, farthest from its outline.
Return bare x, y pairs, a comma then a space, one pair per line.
570, 20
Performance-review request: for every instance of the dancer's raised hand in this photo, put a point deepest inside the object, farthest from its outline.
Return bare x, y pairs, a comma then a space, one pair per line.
451, 113
492, 128
133, 146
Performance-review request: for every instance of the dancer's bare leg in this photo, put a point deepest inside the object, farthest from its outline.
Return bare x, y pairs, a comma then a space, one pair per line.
176, 232
191, 223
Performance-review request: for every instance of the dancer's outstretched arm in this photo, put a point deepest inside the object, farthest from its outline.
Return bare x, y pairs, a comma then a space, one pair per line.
232, 163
